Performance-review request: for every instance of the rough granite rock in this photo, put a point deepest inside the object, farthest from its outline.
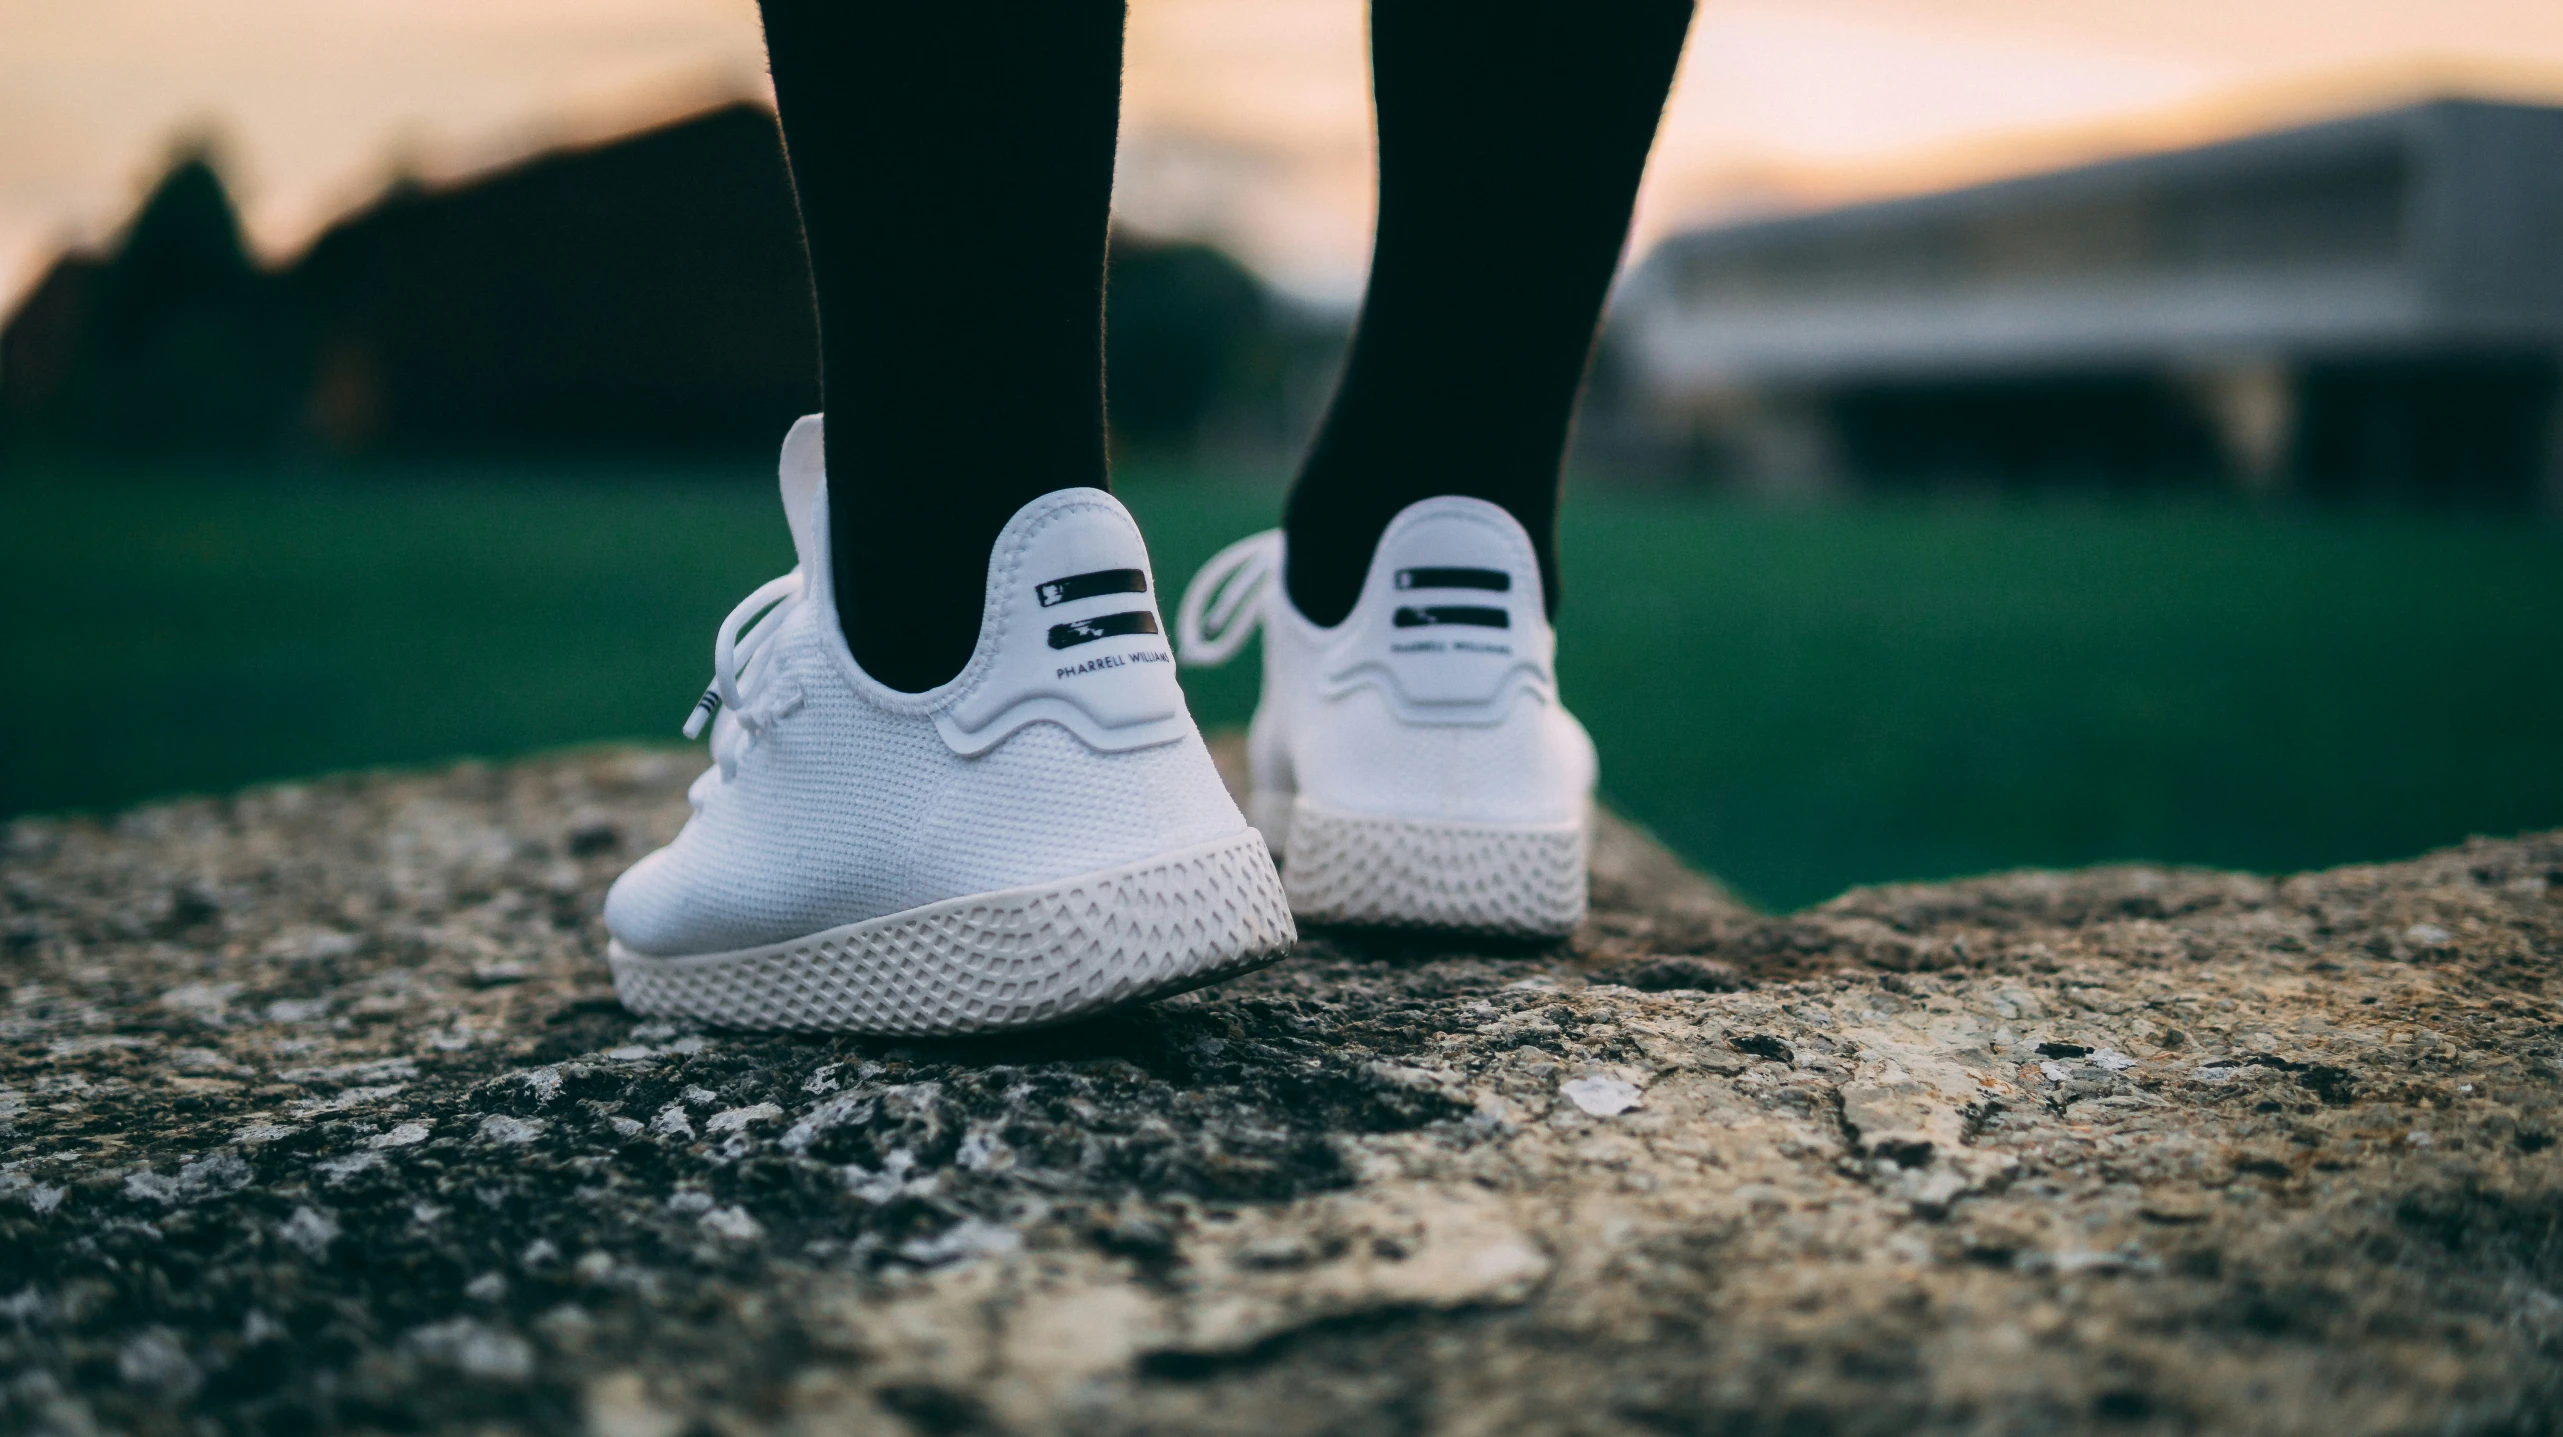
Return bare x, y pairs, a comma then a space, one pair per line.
317, 1114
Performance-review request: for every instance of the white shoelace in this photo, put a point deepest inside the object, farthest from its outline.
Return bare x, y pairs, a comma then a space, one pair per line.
738, 679
1223, 605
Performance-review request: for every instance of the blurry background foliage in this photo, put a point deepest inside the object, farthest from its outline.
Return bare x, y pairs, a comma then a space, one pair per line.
475, 473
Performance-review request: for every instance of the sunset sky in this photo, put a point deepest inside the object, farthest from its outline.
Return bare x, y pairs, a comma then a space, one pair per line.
1246, 121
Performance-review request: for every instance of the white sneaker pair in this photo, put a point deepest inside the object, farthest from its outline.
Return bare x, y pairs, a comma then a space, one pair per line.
1045, 836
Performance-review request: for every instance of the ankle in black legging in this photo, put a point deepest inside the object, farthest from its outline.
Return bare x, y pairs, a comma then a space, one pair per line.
953, 162
1511, 139
954, 169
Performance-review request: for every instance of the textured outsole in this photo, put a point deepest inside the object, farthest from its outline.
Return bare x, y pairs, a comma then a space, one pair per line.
1018, 958
1526, 881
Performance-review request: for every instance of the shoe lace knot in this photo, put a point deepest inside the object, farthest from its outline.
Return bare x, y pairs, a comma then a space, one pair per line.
1223, 605
744, 699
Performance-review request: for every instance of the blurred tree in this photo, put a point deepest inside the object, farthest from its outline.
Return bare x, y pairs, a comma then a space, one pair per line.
2457, 429
648, 294
177, 341
1188, 332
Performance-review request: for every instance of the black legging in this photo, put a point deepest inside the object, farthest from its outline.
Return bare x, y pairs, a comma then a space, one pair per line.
954, 168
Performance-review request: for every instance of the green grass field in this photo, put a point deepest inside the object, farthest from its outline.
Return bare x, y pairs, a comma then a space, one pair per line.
1797, 700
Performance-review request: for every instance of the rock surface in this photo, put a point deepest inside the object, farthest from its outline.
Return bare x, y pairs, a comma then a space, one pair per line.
317, 1114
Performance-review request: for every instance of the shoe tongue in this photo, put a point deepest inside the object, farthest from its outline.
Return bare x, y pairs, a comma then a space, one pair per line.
805, 477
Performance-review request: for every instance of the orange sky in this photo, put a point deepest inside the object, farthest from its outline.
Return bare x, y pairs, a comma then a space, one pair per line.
1245, 120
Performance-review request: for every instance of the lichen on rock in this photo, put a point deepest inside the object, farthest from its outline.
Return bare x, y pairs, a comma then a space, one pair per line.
317, 1113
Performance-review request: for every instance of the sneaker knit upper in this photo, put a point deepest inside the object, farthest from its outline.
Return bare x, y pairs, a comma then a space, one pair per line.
1063, 748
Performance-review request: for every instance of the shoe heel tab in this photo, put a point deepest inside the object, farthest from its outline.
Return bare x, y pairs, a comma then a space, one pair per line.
1461, 506
1071, 506
1450, 536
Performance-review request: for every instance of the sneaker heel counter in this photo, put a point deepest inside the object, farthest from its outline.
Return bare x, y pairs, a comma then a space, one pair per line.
1451, 616
1073, 635
1522, 765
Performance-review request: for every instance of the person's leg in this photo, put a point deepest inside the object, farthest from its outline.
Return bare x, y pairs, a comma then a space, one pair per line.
965, 862
954, 168
1511, 137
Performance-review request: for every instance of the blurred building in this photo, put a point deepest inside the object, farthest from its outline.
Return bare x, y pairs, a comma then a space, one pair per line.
646, 295
2372, 306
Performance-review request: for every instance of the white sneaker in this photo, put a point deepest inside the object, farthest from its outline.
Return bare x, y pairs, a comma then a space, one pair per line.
1412, 764
1040, 838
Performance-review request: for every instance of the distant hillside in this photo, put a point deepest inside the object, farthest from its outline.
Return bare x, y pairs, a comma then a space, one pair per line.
650, 291
648, 294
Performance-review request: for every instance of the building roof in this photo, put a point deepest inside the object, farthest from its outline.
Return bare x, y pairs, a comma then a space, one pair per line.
2431, 227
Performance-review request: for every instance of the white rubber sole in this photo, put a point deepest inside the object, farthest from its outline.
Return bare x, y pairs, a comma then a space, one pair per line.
1521, 880
1016, 958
